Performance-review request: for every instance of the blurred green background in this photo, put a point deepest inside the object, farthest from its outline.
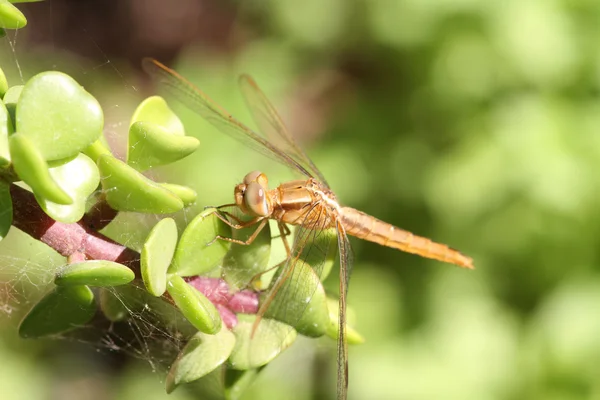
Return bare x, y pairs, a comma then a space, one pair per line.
475, 123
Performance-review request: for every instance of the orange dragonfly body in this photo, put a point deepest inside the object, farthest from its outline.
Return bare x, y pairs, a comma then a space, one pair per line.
309, 203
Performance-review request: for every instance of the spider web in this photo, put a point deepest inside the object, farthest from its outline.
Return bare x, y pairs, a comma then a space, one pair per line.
28, 267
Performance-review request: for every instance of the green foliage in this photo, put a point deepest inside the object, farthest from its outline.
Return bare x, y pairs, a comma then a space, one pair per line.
247, 264
58, 115
300, 300
98, 273
64, 308
197, 251
32, 168
10, 16
194, 305
3, 83
157, 254
6, 129
78, 178
201, 355
254, 349
128, 190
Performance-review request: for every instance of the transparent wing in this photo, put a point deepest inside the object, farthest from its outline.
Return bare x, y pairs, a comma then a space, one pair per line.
345, 270
271, 125
199, 102
282, 300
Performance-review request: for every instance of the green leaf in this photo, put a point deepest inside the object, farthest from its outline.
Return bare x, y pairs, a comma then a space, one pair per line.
98, 273
128, 190
31, 167
326, 241
6, 209
11, 98
157, 254
151, 145
79, 178
2, 33
10, 16
63, 309
333, 330
236, 382
3, 84
198, 310
186, 194
58, 115
201, 355
193, 255
270, 338
155, 110
6, 129
244, 262
112, 307
96, 149
300, 301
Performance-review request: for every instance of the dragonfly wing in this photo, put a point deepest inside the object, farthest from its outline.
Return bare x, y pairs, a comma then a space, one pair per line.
345, 268
199, 102
271, 125
292, 291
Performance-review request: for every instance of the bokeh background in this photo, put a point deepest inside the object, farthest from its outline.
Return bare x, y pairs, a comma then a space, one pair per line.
475, 123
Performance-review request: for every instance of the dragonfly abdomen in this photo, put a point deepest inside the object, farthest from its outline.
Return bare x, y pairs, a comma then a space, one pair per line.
367, 227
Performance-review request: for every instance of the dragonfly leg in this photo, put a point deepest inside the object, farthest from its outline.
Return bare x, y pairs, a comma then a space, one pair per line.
225, 216
248, 241
284, 233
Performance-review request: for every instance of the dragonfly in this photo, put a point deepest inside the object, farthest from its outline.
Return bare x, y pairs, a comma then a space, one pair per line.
308, 203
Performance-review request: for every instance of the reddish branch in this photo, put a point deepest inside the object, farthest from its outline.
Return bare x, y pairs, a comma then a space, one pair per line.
78, 241
67, 239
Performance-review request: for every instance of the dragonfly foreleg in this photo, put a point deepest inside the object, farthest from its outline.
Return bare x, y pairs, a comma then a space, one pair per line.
240, 224
248, 241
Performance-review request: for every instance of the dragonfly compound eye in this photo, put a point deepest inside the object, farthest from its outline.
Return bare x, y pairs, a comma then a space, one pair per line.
251, 177
255, 198
256, 176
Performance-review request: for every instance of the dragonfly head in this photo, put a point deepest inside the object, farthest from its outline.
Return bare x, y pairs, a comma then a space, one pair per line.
251, 196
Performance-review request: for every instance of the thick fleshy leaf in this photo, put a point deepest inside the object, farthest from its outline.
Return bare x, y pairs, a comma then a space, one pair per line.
157, 254
6, 209
333, 330
10, 16
245, 262
300, 302
58, 115
31, 167
11, 98
201, 355
194, 255
151, 145
3, 84
79, 178
99, 273
63, 309
6, 129
326, 242
155, 110
270, 338
236, 382
198, 310
112, 307
186, 194
96, 149
128, 190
